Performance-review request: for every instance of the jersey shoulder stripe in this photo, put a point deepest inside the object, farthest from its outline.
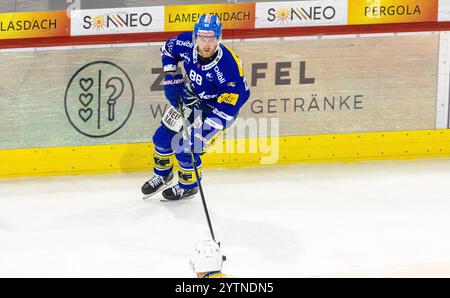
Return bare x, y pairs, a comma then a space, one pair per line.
236, 59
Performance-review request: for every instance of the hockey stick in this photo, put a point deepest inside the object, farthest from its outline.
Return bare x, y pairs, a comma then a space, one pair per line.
194, 163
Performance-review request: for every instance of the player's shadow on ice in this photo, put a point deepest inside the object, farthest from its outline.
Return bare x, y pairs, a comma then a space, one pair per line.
254, 235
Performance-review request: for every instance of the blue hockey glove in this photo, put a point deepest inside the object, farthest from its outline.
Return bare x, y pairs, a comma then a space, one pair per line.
174, 88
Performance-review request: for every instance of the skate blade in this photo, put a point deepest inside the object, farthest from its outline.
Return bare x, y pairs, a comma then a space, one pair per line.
186, 198
166, 186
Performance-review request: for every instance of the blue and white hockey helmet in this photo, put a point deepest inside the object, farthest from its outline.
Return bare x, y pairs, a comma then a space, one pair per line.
208, 25
207, 257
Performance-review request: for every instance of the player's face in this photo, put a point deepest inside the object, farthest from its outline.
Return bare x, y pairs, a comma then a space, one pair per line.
207, 45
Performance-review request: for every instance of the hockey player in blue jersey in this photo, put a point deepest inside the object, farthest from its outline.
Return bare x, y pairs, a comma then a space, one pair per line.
212, 95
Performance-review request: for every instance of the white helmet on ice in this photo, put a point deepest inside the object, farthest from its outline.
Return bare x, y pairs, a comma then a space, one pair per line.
207, 257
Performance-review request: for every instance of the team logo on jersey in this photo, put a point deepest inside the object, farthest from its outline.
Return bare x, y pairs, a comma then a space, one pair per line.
229, 98
209, 76
205, 96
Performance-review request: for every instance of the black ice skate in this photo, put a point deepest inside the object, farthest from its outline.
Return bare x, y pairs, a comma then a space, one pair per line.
177, 193
156, 184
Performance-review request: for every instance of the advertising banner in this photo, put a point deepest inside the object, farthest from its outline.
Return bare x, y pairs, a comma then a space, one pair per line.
444, 11
233, 16
301, 13
117, 20
34, 24
90, 96
392, 11
344, 85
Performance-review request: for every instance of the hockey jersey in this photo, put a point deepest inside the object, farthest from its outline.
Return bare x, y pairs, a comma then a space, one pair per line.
220, 85
217, 275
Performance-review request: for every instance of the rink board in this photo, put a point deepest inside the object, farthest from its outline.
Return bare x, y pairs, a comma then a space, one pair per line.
292, 149
339, 98
58, 97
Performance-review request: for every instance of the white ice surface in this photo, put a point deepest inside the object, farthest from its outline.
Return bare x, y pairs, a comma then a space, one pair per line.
372, 219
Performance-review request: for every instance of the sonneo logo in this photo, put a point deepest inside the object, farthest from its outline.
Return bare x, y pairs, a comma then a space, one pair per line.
283, 14
117, 21
301, 13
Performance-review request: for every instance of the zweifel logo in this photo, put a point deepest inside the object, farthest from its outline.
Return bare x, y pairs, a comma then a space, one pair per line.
99, 99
